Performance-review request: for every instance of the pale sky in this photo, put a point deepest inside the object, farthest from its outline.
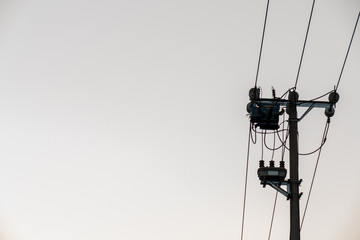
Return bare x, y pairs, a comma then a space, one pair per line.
127, 119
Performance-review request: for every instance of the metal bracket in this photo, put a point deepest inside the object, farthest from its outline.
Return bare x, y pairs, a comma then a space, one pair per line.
277, 187
307, 111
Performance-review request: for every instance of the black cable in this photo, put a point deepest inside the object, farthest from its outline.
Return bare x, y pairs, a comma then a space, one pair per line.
276, 195
302, 154
262, 146
273, 151
266, 133
286, 93
322, 96
347, 53
282, 142
273, 214
303, 50
262, 42
318, 149
246, 178
316, 166
252, 139
309, 153
284, 139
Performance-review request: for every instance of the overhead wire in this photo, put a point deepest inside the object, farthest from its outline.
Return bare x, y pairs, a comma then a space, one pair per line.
253, 139
276, 194
273, 215
250, 136
282, 139
321, 96
246, 180
262, 43
326, 130
347, 53
303, 50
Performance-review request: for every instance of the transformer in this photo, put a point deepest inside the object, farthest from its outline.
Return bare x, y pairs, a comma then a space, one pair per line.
265, 115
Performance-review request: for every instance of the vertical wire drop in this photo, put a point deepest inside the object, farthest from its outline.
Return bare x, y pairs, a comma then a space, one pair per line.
276, 195
273, 152
246, 177
262, 144
273, 214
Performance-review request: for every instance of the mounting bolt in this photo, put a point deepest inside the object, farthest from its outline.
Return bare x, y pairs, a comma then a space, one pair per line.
300, 195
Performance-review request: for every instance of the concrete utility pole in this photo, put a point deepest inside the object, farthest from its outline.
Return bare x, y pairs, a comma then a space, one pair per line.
294, 168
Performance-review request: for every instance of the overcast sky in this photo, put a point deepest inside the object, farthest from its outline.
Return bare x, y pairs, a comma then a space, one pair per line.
126, 119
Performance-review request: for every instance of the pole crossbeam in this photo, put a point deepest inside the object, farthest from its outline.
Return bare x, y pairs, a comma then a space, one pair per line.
299, 103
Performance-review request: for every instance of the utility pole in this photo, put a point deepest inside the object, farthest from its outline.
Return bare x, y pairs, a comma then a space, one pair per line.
294, 168
264, 113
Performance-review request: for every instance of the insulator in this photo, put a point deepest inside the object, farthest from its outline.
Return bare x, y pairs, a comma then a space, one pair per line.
282, 164
293, 96
329, 111
334, 97
261, 163
272, 163
254, 93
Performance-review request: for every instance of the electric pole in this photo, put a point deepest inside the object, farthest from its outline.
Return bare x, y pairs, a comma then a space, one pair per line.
294, 168
264, 113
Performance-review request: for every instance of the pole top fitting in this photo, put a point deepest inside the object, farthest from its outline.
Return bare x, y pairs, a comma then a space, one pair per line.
334, 97
254, 93
293, 96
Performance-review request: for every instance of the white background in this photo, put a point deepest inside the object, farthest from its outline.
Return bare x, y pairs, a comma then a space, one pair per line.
126, 119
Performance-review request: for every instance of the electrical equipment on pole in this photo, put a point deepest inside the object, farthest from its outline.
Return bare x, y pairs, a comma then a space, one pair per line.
264, 113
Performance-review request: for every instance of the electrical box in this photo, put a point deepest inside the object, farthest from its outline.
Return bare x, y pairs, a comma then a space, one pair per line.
266, 115
271, 174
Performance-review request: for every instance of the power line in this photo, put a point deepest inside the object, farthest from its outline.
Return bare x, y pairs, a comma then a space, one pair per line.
276, 194
273, 214
262, 42
316, 166
273, 152
246, 177
347, 53
303, 50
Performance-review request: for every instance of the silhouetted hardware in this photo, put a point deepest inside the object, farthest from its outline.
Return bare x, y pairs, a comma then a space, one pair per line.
272, 174
265, 115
